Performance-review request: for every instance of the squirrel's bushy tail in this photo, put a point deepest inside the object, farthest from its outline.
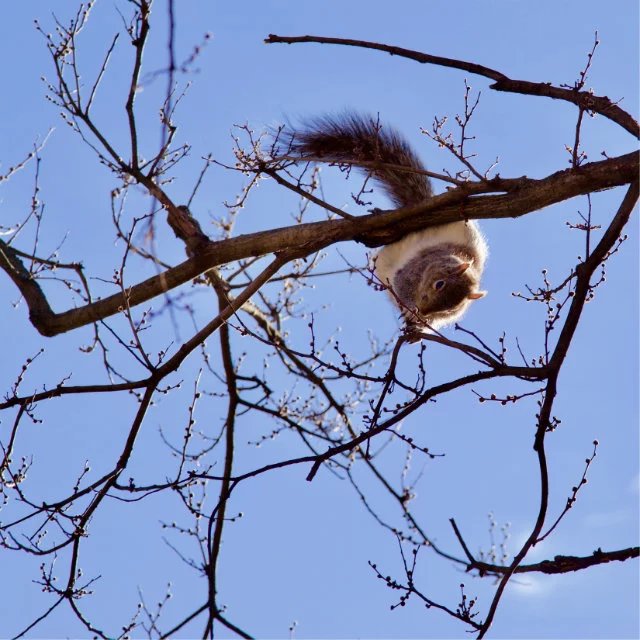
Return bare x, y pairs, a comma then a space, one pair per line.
362, 140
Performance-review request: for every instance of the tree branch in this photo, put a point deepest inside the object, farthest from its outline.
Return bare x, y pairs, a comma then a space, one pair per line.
565, 564
376, 229
583, 99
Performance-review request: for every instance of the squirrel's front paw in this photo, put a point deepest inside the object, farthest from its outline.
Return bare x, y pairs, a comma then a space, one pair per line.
414, 333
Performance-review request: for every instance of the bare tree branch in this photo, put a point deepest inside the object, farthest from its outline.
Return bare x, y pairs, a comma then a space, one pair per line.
584, 99
526, 196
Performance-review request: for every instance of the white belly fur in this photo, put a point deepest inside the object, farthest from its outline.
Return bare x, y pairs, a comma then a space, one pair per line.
394, 256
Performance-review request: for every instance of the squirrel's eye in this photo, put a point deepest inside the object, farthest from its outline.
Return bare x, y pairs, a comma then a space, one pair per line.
438, 284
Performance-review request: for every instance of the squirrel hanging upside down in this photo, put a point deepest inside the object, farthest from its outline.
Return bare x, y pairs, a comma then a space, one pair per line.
432, 275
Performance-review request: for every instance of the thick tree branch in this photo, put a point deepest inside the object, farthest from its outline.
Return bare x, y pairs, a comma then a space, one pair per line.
566, 564
525, 195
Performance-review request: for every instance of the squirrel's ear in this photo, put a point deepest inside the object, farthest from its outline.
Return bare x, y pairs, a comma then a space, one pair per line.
462, 267
476, 295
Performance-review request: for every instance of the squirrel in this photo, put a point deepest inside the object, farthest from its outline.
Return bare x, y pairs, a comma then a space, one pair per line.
432, 275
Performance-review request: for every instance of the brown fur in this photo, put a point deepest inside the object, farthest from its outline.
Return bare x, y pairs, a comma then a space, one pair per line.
351, 138
414, 284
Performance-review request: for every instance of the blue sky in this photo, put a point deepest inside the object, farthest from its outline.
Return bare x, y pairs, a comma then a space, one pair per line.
300, 551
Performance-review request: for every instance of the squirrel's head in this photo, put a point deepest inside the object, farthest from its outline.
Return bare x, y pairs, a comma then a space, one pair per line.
447, 287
